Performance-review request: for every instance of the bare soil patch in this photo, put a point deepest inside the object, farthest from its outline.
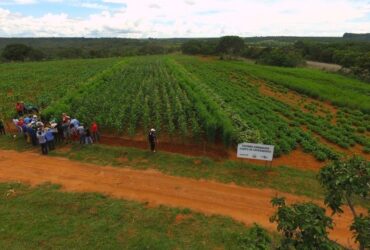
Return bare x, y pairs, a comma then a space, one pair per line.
172, 147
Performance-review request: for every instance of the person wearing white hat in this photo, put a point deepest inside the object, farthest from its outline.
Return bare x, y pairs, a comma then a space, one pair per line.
152, 138
34, 119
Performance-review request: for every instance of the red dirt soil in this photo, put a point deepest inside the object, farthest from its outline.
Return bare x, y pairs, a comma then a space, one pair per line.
296, 100
172, 147
296, 159
248, 205
355, 150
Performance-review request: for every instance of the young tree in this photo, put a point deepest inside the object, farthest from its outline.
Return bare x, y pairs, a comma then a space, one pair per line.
231, 45
21, 52
192, 47
344, 180
303, 225
16, 52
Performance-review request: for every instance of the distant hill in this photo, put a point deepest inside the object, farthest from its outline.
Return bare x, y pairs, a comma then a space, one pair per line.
291, 39
357, 37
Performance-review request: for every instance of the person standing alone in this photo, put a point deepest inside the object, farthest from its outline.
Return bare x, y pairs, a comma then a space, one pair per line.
95, 132
152, 138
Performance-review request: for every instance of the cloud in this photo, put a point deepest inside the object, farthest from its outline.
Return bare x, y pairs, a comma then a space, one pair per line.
194, 18
189, 2
18, 2
25, 1
93, 6
154, 6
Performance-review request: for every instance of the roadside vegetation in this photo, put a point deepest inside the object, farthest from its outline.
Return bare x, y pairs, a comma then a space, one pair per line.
44, 217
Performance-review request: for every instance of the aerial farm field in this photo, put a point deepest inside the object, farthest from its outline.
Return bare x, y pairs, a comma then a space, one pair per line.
201, 108
188, 99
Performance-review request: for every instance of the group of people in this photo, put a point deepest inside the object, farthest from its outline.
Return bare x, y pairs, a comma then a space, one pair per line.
48, 134
66, 130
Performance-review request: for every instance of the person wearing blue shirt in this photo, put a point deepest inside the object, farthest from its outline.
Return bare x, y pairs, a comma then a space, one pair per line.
50, 139
25, 131
27, 120
42, 141
32, 133
75, 122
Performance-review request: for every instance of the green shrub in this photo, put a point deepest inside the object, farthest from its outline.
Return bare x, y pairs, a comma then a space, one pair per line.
281, 57
366, 150
361, 129
320, 155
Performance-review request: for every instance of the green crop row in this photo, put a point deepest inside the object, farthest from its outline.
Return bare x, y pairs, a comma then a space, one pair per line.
338, 90
43, 83
277, 122
146, 92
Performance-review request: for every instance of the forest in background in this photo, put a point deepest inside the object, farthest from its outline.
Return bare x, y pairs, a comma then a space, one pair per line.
352, 51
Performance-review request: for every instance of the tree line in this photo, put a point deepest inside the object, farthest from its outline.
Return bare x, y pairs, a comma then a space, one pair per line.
36, 49
352, 51
234, 46
353, 55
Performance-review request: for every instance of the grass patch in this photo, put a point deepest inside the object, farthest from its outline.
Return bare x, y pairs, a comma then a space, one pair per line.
43, 217
282, 178
14, 143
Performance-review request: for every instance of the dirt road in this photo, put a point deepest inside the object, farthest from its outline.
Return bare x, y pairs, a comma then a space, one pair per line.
331, 67
248, 205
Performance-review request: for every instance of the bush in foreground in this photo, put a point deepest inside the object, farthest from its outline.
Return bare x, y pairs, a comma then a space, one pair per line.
303, 225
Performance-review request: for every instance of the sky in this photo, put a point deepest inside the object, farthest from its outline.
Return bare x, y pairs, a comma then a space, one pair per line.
182, 18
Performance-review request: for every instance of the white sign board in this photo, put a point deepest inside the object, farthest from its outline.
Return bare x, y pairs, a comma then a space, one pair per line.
255, 151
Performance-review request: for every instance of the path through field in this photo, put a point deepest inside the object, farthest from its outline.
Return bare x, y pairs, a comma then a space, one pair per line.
248, 205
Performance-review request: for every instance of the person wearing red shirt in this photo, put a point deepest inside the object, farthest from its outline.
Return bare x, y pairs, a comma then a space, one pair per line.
95, 132
19, 107
20, 123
